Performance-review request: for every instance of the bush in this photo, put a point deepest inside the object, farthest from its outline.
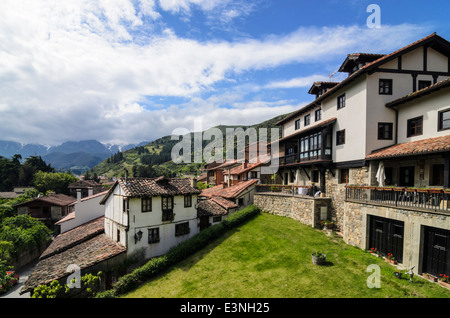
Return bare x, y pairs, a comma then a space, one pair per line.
156, 265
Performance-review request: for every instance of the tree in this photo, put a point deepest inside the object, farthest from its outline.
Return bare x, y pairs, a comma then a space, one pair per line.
48, 181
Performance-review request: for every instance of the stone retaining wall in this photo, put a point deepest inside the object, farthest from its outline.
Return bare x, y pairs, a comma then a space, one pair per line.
306, 210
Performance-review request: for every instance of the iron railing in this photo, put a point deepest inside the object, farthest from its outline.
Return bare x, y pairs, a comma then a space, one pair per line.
427, 199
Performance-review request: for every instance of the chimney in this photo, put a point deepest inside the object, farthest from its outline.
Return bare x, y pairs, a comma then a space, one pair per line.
194, 183
78, 195
90, 191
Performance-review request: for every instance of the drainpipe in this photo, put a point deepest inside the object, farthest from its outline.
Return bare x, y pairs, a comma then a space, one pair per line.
396, 126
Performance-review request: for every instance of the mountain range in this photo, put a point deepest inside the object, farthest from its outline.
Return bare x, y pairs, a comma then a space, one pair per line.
77, 156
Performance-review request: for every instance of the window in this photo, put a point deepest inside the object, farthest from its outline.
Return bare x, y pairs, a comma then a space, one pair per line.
254, 174
187, 201
307, 119
385, 131
167, 203
146, 204
297, 124
125, 205
153, 235
414, 126
344, 175
240, 201
118, 236
182, 229
340, 137
167, 209
318, 114
341, 101
385, 87
423, 84
311, 146
444, 119
217, 219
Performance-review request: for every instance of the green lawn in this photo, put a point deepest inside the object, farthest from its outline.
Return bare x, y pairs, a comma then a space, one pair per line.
270, 257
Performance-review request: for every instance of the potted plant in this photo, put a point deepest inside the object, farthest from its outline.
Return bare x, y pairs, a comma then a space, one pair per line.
430, 277
444, 280
318, 258
374, 251
435, 190
391, 259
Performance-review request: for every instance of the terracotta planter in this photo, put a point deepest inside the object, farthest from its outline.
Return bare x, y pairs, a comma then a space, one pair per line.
394, 262
399, 189
435, 190
431, 278
446, 285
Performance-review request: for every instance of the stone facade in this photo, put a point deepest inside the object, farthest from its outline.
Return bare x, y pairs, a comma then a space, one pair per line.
306, 210
336, 191
357, 232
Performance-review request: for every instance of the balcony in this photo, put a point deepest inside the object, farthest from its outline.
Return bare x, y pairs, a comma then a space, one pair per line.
298, 158
418, 199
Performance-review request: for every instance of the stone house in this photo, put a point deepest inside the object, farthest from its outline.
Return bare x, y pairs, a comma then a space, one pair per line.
385, 125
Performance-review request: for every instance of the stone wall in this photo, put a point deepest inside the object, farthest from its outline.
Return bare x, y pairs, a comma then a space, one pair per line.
356, 222
336, 191
301, 208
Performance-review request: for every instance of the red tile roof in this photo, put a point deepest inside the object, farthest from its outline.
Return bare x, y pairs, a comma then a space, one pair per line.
243, 168
215, 206
74, 236
230, 192
54, 199
424, 146
149, 187
84, 255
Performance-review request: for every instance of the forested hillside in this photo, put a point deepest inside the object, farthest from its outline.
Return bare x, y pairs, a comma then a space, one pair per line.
154, 158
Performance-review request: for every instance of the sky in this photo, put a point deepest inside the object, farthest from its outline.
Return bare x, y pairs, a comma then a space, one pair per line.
127, 71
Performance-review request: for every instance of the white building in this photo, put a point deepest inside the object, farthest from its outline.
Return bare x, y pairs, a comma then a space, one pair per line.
151, 215
386, 124
83, 210
350, 120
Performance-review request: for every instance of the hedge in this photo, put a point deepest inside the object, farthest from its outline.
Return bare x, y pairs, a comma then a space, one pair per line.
156, 265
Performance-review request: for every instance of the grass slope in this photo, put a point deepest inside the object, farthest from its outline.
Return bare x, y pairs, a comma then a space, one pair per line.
270, 257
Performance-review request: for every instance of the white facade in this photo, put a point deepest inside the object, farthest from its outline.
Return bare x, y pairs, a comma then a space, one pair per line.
125, 226
85, 210
365, 107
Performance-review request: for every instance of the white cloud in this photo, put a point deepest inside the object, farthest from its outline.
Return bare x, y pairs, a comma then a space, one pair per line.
72, 70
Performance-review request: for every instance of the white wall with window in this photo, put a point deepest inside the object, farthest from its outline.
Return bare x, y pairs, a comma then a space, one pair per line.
152, 225
434, 110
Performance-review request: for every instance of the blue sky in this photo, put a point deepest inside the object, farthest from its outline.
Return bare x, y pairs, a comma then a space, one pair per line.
126, 71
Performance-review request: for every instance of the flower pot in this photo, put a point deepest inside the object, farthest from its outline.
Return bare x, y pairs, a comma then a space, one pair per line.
435, 190
446, 285
431, 278
394, 262
318, 260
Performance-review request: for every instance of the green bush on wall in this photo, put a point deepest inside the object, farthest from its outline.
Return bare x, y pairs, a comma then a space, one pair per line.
154, 266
